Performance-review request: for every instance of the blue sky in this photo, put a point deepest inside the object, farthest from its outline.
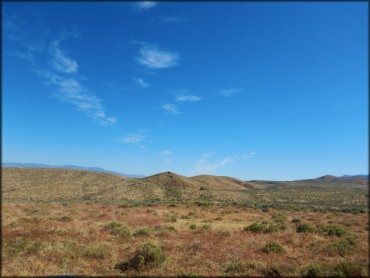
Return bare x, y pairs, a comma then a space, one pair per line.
266, 90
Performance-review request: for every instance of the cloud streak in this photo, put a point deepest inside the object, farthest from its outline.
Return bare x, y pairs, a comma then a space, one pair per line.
154, 58
171, 108
60, 61
231, 92
133, 138
191, 98
203, 166
174, 19
146, 5
141, 83
165, 153
69, 89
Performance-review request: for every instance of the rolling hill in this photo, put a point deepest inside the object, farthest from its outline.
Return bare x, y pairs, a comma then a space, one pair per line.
40, 184
94, 169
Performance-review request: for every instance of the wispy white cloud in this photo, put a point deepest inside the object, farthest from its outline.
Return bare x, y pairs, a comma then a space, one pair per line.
248, 155
69, 90
152, 57
174, 19
60, 61
136, 138
165, 153
171, 108
145, 5
28, 51
231, 92
192, 98
141, 83
13, 22
133, 138
204, 167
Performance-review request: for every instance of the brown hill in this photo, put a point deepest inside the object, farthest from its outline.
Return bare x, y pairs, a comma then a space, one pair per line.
67, 184
222, 183
172, 180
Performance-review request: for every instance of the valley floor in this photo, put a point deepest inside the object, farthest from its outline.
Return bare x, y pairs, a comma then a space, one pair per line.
52, 238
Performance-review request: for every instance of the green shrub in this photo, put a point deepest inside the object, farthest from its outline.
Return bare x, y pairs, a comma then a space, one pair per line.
273, 247
97, 252
118, 230
188, 274
193, 227
278, 217
296, 220
171, 228
313, 271
173, 219
321, 228
271, 228
147, 257
348, 269
234, 267
336, 230
172, 205
283, 226
125, 206
35, 246
343, 247
255, 227
142, 232
65, 218
304, 228
206, 228
16, 245
185, 217
223, 233
114, 225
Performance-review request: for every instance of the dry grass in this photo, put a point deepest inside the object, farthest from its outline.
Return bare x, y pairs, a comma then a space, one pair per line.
36, 241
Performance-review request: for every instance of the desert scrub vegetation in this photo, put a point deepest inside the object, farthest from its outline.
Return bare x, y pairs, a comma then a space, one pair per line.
263, 227
142, 232
147, 257
118, 230
342, 247
37, 244
272, 247
304, 228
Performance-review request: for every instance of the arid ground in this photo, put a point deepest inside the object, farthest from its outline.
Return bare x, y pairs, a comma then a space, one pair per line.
56, 238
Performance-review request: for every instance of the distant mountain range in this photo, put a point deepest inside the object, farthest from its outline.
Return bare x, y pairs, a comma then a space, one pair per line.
349, 176
94, 169
97, 169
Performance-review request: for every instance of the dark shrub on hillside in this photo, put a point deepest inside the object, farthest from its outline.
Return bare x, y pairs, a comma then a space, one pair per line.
255, 227
193, 227
65, 218
273, 247
342, 247
336, 230
304, 228
147, 257
313, 271
118, 230
271, 228
348, 269
296, 220
142, 232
